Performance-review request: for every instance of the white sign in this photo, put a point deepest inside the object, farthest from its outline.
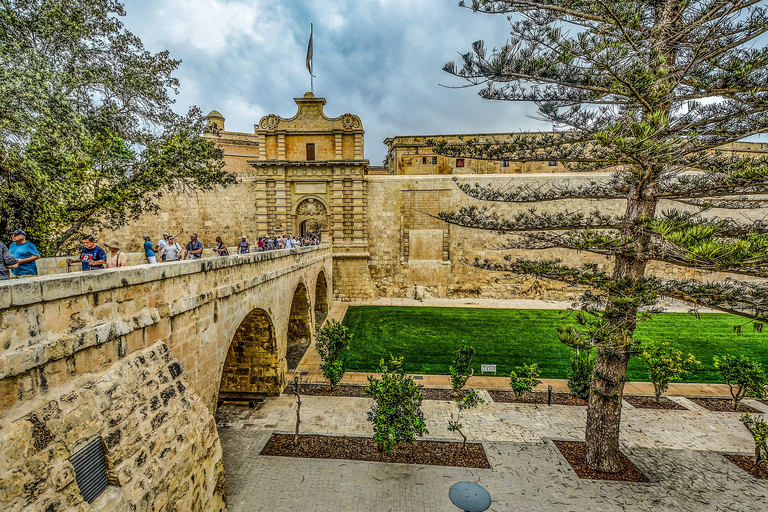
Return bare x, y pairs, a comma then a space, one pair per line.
488, 368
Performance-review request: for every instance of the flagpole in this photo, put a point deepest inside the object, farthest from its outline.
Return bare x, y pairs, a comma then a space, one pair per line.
311, 59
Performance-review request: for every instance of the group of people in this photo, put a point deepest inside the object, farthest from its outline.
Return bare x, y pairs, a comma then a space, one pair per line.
19, 257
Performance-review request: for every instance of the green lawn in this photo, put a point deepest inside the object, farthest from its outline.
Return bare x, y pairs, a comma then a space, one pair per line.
429, 336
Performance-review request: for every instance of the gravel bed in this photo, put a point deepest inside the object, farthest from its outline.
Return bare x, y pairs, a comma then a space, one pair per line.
649, 402
574, 453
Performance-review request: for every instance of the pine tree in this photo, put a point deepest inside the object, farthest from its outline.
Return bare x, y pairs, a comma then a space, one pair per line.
648, 90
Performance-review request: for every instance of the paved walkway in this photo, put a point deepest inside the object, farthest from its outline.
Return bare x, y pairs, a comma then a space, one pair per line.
679, 451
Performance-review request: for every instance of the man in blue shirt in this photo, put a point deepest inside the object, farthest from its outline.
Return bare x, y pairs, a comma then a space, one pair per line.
26, 254
92, 256
194, 248
149, 250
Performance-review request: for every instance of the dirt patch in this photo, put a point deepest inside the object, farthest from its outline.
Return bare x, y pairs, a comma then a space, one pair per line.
748, 464
433, 453
536, 398
721, 405
574, 453
649, 402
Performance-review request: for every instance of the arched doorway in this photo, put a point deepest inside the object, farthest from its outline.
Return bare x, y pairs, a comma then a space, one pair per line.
252, 363
311, 215
299, 327
321, 299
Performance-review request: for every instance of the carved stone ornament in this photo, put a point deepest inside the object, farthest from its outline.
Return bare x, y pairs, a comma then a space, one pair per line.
349, 121
268, 122
311, 207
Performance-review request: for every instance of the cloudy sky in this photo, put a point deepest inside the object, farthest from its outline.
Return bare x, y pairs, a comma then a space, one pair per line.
379, 59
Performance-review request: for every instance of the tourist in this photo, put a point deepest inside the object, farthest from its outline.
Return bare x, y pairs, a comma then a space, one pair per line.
244, 246
289, 243
25, 253
194, 248
149, 250
172, 249
92, 257
221, 247
161, 247
260, 244
7, 262
116, 257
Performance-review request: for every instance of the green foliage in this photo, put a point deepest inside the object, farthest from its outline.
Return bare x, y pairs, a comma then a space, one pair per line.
524, 379
88, 138
759, 430
396, 413
332, 343
461, 370
580, 377
743, 376
510, 337
666, 364
470, 400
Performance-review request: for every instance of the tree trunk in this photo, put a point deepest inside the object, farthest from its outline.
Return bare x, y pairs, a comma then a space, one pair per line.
657, 392
604, 411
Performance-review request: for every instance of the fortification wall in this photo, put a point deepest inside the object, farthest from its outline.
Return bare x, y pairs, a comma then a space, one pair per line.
413, 254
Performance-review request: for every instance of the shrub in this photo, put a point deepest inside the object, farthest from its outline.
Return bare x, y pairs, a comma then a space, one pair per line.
461, 370
759, 430
743, 376
332, 343
396, 413
468, 401
524, 379
666, 364
580, 379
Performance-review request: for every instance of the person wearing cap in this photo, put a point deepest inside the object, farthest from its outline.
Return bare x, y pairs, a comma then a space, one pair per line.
92, 257
149, 250
243, 246
116, 257
25, 253
194, 248
161, 244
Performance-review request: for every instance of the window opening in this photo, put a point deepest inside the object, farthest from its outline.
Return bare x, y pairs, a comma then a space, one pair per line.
459, 162
90, 470
310, 151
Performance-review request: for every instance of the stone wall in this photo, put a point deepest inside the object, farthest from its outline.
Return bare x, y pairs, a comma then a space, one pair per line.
413, 254
160, 442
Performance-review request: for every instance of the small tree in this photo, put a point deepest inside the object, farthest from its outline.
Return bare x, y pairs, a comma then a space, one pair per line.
524, 379
396, 413
759, 430
332, 344
666, 364
468, 401
461, 370
298, 410
580, 379
743, 376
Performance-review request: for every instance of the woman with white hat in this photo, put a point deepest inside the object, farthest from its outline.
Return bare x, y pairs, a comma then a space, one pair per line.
115, 258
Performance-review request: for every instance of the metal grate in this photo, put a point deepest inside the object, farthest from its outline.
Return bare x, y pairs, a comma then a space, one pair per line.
90, 470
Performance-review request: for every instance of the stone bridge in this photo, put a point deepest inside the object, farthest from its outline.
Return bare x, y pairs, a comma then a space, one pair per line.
136, 357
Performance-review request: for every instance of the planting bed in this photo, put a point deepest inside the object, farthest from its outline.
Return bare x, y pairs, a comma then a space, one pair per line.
649, 402
433, 453
357, 391
748, 464
721, 405
536, 398
574, 451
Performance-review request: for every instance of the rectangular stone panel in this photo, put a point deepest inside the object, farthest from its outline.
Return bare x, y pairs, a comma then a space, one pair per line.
425, 244
310, 188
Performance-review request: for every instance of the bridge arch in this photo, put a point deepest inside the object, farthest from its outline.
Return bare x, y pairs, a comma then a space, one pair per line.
252, 363
321, 299
299, 326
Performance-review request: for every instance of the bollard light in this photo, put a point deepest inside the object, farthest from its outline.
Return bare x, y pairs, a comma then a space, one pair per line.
549, 395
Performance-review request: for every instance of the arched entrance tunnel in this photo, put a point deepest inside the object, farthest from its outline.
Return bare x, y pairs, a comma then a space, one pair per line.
321, 299
299, 327
252, 362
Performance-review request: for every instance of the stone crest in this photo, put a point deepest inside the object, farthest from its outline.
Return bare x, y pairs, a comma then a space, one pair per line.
349, 121
311, 207
269, 122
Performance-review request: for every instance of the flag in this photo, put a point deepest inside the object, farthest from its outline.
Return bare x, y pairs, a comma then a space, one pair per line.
309, 51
